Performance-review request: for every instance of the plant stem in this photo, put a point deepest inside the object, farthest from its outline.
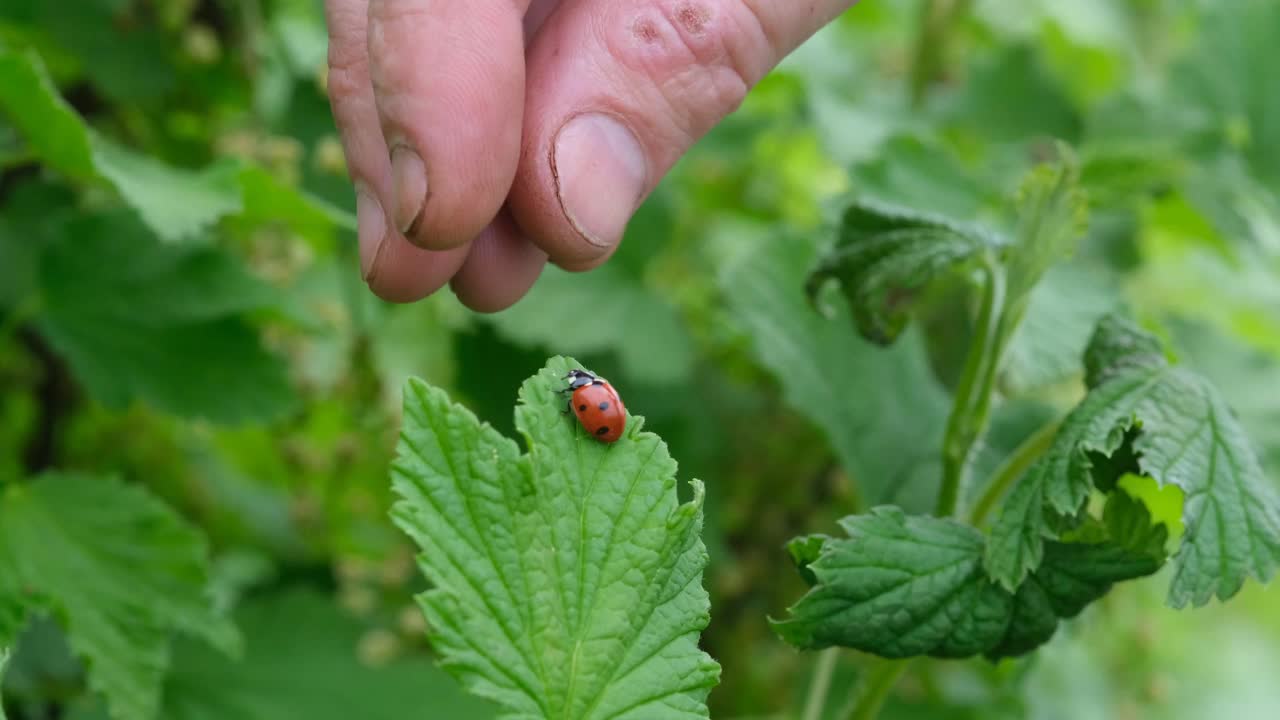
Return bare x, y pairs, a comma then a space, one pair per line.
972, 406
816, 702
872, 693
937, 17
1013, 467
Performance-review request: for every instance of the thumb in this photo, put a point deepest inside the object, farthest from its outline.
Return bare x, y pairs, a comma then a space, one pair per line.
618, 90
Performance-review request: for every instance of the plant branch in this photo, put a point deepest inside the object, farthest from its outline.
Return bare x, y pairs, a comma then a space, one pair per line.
816, 702
56, 399
937, 17
1013, 468
868, 701
972, 406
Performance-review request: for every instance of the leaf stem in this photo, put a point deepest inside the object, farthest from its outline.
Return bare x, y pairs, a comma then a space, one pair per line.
937, 17
1012, 468
972, 406
871, 695
816, 701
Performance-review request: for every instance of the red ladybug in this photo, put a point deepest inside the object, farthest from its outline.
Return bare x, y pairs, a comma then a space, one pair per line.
597, 405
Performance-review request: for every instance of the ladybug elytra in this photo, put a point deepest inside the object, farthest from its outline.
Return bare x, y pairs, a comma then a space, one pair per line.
596, 404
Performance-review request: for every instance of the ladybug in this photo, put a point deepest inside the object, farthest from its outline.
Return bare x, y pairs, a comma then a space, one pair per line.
597, 405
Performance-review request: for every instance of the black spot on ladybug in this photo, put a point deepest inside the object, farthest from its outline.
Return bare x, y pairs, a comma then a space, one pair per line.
582, 408
604, 406
602, 431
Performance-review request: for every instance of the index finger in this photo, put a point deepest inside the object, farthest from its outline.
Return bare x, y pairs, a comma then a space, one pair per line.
448, 80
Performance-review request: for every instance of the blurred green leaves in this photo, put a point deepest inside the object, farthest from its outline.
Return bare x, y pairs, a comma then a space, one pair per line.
1143, 413
566, 581
31, 102
121, 572
1226, 100
1052, 215
1061, 315
4, 663
606, 310
170, 326
304, 658
881, 409
1009, 98
612, 309
176, 204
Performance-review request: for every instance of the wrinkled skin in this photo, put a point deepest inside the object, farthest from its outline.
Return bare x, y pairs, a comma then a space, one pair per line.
485, 137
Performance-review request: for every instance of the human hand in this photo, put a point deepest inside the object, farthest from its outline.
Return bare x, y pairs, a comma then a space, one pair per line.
484, 136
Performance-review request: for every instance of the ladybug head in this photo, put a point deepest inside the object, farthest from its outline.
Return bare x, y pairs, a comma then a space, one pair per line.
579, 378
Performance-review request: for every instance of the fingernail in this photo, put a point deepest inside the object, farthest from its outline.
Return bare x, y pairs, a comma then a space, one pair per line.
600, 174
410, 177
371, 230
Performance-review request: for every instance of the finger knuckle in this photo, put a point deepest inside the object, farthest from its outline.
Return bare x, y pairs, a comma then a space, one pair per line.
702, 56
347, 58
348, 73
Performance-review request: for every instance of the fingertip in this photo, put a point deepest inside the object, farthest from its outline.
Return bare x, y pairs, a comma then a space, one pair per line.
580, 265
409, 183
500, 269
402, 272
371, 229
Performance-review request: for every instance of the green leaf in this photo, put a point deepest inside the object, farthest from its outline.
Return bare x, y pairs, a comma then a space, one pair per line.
25, 230
903, 586
881, 409
1218, 85
166, 325
1061, 315
13, 618
566, 581
919, 171
805, 551
121, 571
886, 257
54, 130
1011, 97
175, 204
1130, 524
1072, 577
302, 660
1237, 371
1163, 504
1052, 216
1182, 433
126, 61
269, 200
4, 664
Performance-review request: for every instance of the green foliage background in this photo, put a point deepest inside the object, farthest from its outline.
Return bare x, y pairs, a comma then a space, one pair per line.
181, 316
